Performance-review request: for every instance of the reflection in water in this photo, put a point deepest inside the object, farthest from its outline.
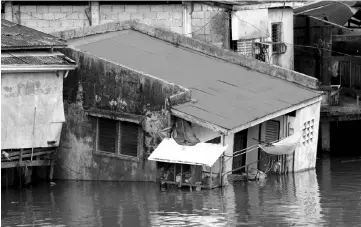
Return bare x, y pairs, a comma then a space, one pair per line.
332, 197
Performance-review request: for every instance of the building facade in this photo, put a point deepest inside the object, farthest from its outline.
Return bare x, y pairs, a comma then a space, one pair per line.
32, 113
117, 102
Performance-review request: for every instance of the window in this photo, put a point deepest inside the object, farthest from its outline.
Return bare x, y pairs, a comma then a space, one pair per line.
245, 47
277, 47
307, 132
117, 137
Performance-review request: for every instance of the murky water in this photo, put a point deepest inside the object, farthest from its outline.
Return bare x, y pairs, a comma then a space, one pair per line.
329, 196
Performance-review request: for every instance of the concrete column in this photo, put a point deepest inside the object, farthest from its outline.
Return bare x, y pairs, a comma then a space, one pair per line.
187, 18
95, 13
325, 136
8, 11
228, 159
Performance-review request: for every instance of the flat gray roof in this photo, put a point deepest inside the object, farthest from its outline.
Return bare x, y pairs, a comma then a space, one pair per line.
226, 94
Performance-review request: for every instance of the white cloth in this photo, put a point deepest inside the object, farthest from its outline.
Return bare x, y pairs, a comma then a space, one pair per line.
205, 154
285, 146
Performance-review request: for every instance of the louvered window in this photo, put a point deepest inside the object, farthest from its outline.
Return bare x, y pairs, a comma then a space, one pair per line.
272, 131
117, 137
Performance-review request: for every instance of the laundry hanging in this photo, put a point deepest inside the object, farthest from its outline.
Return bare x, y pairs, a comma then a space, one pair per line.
285, 146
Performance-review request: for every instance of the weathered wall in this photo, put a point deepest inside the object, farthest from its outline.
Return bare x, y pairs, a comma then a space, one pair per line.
286, 17
305, 154
53, 17
209, 24
103, 85
169, 16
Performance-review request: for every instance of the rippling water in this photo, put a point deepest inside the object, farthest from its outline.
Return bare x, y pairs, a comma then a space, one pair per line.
327, 196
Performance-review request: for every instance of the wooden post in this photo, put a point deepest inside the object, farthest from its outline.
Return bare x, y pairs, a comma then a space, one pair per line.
175, 168
180, 182
20, 162
350, 73
326, 37
210, 182
32, 148
51, 173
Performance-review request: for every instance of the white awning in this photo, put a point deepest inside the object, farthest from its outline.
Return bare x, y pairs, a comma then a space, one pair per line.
205, 154
285, 146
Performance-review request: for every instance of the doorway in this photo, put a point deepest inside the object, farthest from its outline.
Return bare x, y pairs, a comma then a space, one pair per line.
271, 133
240, 143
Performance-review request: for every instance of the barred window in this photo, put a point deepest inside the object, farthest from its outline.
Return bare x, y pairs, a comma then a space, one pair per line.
117, 137
245, 47
277, 46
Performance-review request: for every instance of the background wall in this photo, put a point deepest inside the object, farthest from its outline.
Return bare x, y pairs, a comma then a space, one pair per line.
286, 17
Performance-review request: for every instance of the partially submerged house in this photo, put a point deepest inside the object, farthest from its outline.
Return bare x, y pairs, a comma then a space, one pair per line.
328, 47
32, 113
134, 81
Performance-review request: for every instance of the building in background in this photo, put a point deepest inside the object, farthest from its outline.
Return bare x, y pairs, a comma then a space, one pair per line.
328, 47
261, 29
32, 111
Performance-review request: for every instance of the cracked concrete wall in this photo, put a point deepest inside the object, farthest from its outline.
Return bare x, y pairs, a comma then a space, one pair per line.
103, 85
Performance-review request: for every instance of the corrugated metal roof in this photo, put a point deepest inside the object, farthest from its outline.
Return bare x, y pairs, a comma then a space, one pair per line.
15, 36
332, 11
226, 94
34, 58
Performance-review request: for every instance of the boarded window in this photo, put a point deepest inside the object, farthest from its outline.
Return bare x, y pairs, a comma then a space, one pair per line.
277, 47
129, 138
107, 135
117, 137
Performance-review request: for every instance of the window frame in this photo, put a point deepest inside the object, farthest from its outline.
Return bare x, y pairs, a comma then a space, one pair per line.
278, 45
117, 153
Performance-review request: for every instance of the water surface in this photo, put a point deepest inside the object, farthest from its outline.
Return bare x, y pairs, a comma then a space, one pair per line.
327, 196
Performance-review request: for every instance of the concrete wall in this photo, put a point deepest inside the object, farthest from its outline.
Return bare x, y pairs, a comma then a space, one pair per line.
54, 17
95, 84
169, 16
305, 154
209, 24
286, 17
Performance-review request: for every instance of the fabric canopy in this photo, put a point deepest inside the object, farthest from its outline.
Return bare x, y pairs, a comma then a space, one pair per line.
204, 154
285, 146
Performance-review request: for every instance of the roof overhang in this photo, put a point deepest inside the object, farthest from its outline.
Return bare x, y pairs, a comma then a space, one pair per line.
224, 131
36, 68
330, 23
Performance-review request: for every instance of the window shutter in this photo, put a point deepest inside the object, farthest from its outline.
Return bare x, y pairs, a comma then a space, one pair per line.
107, 135
272, 131
129, 139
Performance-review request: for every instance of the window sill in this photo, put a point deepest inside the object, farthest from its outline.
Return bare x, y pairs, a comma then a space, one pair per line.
118, 156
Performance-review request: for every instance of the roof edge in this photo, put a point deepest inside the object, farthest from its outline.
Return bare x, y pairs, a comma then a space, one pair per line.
278, 113
194, 44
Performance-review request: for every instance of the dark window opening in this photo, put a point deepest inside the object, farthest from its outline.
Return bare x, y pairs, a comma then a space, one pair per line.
277, 46
107, 135
117, 137
129, 139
